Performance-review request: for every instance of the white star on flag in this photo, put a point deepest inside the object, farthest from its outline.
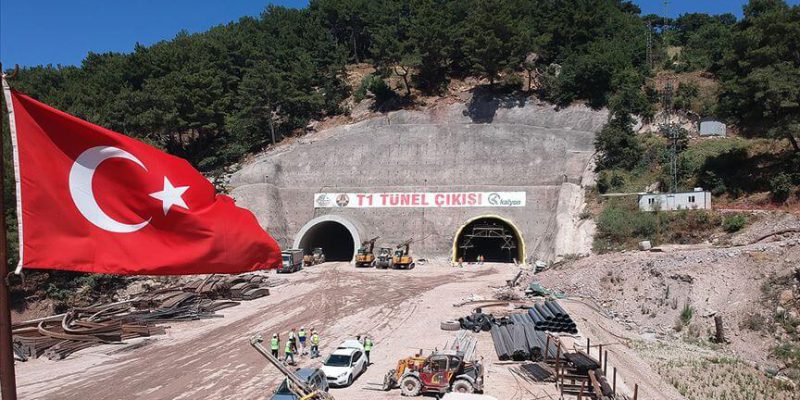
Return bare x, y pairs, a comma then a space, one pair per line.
171, 196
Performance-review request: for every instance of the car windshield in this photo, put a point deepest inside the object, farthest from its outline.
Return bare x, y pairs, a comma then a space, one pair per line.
338, 360
286, 258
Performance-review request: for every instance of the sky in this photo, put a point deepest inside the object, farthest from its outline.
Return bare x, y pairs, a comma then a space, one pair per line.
34, 32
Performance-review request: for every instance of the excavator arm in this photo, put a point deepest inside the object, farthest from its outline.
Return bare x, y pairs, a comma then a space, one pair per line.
371, 243
406, 246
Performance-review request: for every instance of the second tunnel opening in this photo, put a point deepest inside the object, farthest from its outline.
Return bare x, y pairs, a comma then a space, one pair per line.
492, 238
334, 239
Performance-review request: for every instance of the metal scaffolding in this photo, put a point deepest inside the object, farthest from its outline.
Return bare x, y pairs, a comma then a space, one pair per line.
489, 230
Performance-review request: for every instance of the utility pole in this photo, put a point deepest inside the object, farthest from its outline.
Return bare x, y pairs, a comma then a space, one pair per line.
649, 44
671, 131
8, 385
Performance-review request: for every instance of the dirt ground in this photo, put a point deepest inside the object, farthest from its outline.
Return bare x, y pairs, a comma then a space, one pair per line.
647, 294
212, 359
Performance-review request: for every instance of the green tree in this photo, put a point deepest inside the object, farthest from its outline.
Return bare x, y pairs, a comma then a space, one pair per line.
617, 144
685, 96
492, 38
391, 47
760, 78
433, 34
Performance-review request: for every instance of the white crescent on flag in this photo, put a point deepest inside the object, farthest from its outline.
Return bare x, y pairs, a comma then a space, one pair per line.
80, 187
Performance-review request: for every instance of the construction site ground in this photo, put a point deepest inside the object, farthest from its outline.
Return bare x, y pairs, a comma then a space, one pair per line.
402, 310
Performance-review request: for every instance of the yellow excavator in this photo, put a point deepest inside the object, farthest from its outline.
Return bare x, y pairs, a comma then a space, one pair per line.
365, 256
402, 256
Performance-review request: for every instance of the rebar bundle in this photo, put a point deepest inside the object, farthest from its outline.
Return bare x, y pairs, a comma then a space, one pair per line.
60, 335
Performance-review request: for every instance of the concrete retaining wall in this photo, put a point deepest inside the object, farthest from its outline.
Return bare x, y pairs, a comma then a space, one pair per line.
519, 146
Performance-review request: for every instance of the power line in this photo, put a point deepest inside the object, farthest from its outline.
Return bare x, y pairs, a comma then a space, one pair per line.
649, 41
671, 131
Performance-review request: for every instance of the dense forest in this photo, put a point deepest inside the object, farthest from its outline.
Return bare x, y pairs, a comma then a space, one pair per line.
216, 96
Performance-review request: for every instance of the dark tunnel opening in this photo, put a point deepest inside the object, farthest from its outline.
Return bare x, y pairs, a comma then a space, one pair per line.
334, 238
492, 238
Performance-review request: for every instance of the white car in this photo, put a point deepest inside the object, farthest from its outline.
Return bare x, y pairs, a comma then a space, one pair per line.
345, 364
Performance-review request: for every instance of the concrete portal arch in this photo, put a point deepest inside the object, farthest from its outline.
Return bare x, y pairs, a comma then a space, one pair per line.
314, 232
520, 241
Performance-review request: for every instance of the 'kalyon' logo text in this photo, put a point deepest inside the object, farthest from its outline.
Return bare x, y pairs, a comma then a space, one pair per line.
323, 200
496, 200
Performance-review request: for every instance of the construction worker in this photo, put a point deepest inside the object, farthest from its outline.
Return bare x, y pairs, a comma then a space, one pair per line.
288, 352
275, 344
367, 347
314, 343
292, 339
301, 335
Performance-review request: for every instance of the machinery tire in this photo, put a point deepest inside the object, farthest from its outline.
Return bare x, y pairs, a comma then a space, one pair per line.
412, 265
462, 386
451, 325
372, 264
410, 386
477, 328
388, 380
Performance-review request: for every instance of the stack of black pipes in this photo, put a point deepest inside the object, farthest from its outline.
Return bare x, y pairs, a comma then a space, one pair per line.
524, 337
519, 340
549, 316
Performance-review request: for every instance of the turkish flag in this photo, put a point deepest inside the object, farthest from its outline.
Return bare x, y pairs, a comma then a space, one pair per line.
94, 200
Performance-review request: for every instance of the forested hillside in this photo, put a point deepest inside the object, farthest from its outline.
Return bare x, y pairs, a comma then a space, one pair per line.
211, 97
216, 96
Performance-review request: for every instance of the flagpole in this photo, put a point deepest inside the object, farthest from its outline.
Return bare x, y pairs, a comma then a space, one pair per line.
8, 384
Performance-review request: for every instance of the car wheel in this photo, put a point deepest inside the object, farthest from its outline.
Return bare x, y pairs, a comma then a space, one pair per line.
410, 386
462, 386
349, 381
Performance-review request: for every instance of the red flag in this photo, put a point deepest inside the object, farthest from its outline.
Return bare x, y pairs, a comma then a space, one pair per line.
94, 200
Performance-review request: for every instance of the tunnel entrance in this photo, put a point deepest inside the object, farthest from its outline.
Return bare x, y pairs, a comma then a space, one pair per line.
494, 238
335, 239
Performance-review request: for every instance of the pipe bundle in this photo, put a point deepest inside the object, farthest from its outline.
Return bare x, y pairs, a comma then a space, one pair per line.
523, 337
521, 341
549, 316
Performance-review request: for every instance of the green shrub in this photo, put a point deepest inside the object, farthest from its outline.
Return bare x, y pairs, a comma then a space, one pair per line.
788, 352
734, 223
686, 94
603, 183
754, 322
619, 224
781, 187
511, 82
617, 181
375, 85
686, 314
